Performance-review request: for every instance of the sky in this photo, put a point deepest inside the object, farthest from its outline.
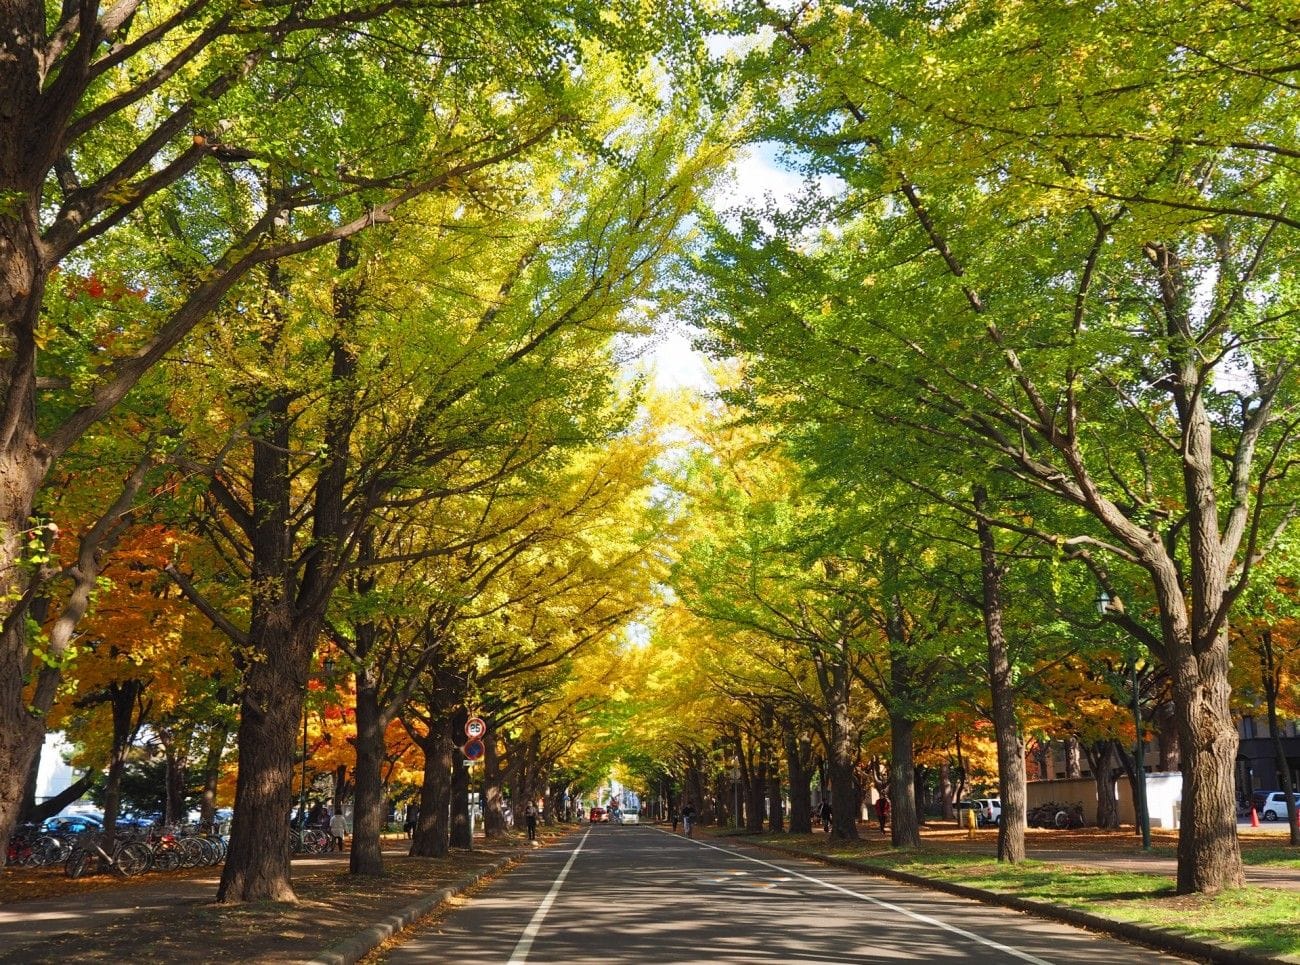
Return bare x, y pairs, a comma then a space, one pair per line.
758, 177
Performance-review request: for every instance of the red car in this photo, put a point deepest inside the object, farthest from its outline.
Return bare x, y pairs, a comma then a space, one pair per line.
597, 815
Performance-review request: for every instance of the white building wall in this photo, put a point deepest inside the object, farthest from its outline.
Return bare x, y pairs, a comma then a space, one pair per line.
54, 775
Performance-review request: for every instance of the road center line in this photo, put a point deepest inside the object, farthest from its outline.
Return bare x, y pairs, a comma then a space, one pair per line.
897, 909
520, 954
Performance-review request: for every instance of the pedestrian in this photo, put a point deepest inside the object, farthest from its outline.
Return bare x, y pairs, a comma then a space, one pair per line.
688, 818
412, 818
316, 817
530, 818
882, 812
338, 830
824, 812
673, 814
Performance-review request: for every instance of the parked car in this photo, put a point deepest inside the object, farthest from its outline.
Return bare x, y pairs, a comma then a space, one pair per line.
961, 807
597, 815
71, 824
990, 810
1271, 805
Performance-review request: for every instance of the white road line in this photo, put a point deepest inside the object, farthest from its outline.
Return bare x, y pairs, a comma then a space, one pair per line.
898, 909
520, 954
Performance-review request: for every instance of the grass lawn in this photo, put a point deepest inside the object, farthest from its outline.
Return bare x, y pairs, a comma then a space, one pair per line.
1260, 920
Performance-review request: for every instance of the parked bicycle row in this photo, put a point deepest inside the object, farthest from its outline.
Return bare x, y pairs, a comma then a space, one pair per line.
132, 852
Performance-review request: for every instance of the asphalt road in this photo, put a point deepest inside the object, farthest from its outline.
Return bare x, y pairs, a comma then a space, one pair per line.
642, 894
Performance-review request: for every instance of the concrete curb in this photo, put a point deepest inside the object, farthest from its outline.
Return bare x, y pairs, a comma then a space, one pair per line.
1157, 938
352, 950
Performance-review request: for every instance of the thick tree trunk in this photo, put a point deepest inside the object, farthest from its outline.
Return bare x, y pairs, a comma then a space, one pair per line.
946, 790
1165, 723
1006, 729
1101, 760
257, 864
367, 856
494, 817
431, 836
798, 755
461, 828
841, 756
905, 829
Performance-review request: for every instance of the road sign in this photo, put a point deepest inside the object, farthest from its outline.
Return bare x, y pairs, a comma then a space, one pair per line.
475, 727
474, 749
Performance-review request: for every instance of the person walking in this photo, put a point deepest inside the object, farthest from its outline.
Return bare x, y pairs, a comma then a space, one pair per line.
530, 818
673, 814
338, 830
824, 812
688, 818
882, 812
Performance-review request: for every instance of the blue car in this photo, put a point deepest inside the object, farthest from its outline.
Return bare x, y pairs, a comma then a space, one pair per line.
71, 824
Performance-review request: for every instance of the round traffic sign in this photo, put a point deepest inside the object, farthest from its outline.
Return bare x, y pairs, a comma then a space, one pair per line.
475, 727
474, 749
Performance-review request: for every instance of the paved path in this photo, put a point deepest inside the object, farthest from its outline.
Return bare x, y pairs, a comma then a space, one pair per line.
640, 895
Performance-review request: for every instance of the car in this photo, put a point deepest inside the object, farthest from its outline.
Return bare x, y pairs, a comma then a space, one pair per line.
1271, 805
961, 807
71, 824
631, 816
990, 810
597, 814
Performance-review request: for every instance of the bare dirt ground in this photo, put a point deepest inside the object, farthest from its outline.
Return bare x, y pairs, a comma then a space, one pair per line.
173, 918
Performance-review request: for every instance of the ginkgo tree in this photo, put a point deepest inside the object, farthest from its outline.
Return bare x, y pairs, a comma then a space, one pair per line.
1067, 270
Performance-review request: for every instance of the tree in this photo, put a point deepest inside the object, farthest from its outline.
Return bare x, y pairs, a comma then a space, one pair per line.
196, 144
981, 297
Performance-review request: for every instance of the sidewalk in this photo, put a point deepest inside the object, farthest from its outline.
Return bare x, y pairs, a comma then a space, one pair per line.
176, 920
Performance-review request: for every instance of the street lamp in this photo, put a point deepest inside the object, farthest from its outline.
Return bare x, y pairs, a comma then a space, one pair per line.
1105, 605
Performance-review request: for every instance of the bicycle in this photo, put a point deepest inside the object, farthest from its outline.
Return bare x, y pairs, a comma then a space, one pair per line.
128, 858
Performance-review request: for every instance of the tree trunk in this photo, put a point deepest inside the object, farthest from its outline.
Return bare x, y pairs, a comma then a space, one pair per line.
1209, 854
1165, 724
494, 817
946, 790
798, 754
431, 836
367, 856
841, 758
905, 829
756, 791
775, 800
461, 828
1006, 729
1103, 775
257, 864
212, 772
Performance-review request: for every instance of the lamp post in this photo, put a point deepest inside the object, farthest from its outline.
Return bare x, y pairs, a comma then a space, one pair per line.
1104, 605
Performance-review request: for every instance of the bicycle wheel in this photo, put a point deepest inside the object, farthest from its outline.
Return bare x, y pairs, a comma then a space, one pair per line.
48, 850
166, 858
1062, 819
316, 840
78, 864
132, 859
